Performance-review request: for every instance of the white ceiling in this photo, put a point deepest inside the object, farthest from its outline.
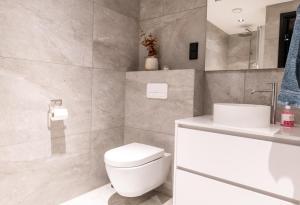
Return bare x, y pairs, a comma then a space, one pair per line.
254, 12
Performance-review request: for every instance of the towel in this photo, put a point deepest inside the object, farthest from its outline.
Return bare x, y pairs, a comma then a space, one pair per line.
290, 87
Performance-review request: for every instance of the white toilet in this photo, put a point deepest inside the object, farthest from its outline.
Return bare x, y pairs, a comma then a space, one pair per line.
136, 169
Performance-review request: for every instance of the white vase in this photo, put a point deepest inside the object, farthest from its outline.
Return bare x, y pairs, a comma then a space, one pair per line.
151, 63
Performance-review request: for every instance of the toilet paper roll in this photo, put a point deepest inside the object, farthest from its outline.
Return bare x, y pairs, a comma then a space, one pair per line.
59, 113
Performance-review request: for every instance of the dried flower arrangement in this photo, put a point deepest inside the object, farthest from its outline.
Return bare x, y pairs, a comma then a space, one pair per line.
151, 43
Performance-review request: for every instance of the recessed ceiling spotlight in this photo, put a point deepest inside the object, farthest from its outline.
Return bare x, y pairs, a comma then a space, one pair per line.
241, 20
237, 10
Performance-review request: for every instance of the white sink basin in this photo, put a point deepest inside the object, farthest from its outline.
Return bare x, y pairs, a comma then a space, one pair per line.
242, 115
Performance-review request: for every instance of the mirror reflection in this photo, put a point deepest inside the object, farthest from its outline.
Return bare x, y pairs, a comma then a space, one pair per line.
244, 34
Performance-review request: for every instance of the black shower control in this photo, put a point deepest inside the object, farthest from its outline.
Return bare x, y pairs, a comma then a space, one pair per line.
194, 51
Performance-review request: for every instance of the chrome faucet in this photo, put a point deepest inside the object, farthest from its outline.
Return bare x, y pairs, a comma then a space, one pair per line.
274, 92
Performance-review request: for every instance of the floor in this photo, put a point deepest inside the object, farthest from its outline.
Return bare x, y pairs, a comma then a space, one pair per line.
106, 195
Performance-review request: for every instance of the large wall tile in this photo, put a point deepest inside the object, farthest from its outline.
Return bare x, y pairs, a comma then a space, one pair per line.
239, 89
139, 110
108, 99
174, 39
198, 93
173, 6
102, 141
223, 87
74, 144
216, 48
32, 150
46, 52
257, 80
157, 139
151, 9
52, 31
115, 40
26, 90
51, 181
125, 7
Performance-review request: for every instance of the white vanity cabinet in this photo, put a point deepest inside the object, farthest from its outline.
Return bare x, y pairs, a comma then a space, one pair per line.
213, 168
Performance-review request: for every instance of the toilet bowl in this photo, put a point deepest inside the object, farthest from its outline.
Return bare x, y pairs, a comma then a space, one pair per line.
136, 169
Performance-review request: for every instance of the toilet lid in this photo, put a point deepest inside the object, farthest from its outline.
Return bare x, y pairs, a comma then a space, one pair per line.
132, 155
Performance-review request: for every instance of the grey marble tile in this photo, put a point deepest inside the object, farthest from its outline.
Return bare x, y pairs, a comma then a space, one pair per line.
238, 62
74, 144
126, 7
115, 40
258, 80
151, 9
223, 87
29, 151
173, 6
26, 90
102, 141
50, 181
271, 53
59, 32
139, 111
174, 40
216, 48
238, 52
108, 99
198, 93
165, 141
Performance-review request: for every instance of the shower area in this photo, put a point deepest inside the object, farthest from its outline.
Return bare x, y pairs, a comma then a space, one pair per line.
246, 49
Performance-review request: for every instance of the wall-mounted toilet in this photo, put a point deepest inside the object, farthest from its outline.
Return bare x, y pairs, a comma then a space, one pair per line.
136, 169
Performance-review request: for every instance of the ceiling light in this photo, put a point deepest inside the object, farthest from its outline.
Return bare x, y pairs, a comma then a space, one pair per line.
237, 10
241, 20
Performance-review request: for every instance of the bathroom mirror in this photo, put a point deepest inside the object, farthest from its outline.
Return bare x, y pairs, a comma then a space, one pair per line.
248, 34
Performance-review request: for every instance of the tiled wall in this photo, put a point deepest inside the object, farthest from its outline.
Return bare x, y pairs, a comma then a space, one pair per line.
216, 48
241, 51
236, 86
229, 52
70, 50
176, 23
151, 121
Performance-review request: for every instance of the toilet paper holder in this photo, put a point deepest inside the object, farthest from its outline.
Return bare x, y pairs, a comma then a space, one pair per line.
52, 105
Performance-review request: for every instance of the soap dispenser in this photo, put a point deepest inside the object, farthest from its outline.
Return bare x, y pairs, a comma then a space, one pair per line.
287, 117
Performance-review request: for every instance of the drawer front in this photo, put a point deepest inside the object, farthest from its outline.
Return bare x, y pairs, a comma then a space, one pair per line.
192, 189
268, 166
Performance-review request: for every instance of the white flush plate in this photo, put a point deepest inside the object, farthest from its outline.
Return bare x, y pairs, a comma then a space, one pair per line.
157, 90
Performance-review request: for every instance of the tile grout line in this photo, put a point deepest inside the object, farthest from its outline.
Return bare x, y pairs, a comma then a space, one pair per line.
158, 132
172, 13
92, 79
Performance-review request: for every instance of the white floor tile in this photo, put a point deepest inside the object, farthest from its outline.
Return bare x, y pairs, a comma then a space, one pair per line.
101, 196
98, 196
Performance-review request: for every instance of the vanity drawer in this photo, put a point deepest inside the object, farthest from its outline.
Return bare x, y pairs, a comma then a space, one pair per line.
264, 165
191, 189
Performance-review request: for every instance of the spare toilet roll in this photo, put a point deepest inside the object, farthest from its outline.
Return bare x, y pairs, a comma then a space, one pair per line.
59, 113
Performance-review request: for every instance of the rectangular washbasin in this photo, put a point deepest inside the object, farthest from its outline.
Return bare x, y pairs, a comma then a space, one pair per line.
242, 115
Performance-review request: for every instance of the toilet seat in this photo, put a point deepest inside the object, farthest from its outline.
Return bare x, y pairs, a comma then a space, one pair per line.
132, 155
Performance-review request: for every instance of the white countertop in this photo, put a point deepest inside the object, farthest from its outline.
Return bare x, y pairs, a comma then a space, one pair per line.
274, 133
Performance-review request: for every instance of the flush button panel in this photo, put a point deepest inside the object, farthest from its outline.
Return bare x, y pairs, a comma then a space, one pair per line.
157, 90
